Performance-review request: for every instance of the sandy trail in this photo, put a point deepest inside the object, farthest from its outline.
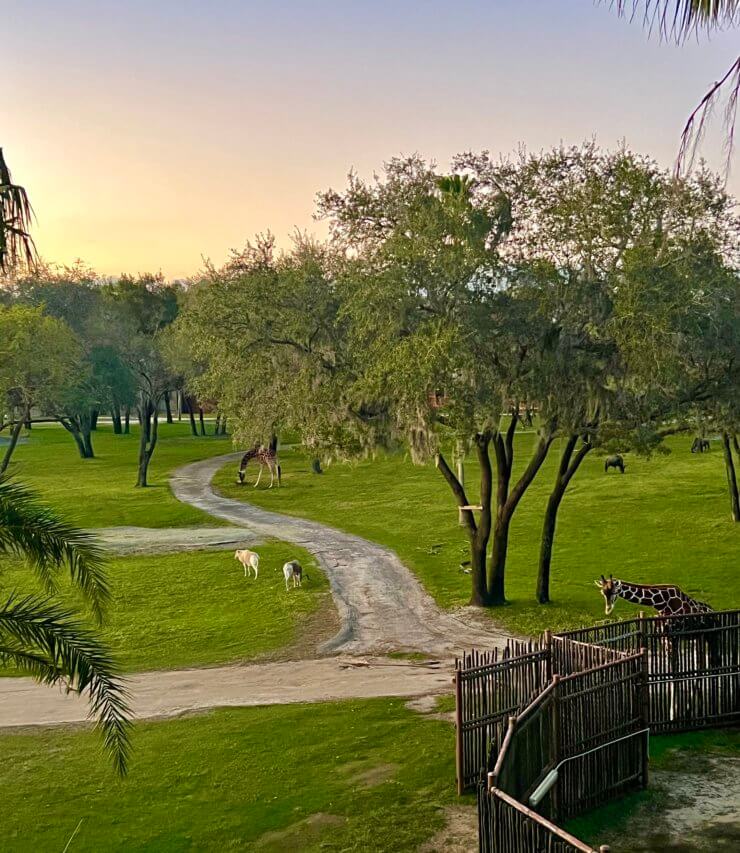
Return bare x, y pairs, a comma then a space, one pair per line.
382, 606
23, 702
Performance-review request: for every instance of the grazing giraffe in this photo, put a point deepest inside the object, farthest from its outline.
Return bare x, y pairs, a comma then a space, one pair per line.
666, 599
266, 458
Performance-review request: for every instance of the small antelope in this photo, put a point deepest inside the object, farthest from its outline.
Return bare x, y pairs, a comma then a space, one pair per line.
250, 560
293, 569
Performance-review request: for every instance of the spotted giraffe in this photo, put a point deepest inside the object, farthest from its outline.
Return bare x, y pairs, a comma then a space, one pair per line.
265, 458
666, 599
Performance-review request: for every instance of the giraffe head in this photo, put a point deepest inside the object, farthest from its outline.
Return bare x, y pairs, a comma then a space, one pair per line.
610, 590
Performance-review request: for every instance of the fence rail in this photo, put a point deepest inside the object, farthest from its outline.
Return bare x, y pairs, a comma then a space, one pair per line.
506, 825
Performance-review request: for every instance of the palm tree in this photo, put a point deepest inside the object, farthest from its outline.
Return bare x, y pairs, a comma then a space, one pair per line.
46, 639
679, 20
16, 243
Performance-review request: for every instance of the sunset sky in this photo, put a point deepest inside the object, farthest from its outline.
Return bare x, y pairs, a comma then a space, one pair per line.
151, 134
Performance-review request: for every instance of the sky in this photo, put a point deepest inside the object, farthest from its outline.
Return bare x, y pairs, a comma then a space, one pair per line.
151, 134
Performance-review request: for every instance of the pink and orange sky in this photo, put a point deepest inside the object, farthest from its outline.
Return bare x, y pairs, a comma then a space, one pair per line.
152, 133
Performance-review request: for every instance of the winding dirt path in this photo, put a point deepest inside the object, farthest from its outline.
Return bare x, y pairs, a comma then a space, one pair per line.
382, 606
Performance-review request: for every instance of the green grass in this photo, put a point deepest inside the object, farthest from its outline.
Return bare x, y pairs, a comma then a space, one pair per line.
100, 492
665, 521
379, 774
197, 608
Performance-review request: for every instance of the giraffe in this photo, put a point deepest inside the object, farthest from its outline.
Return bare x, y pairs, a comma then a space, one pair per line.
666, 599
688, 643
266, 458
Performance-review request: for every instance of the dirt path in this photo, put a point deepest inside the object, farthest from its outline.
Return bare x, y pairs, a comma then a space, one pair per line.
23, 702
165, 540
382, 606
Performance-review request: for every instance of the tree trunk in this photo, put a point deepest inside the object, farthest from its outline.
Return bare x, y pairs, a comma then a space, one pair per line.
168, 407
569, 464
478, 532
731, 477
115, 416
273, 443
94, 418
202, 422
80, 428
507, 499
223, 425
217, 430
148, 430
14, 435
127, 421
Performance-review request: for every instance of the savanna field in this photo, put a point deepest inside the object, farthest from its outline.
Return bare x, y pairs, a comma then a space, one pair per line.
368, 774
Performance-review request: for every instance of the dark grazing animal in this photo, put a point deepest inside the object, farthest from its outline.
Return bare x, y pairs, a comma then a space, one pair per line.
615, 461
700, 445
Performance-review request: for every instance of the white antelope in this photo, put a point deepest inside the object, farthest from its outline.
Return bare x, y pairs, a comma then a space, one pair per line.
250, 560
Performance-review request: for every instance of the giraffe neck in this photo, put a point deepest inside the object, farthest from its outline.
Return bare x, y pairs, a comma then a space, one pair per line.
651, 596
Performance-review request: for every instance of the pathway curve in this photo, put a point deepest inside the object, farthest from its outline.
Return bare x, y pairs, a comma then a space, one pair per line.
382, 606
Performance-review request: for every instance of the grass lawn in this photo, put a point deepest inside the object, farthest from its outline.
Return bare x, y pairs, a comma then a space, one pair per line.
196, 608
366, 775
100, 492
665, 521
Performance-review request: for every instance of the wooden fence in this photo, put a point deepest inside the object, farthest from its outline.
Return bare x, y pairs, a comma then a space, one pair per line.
489, 687
566, 719
693, 665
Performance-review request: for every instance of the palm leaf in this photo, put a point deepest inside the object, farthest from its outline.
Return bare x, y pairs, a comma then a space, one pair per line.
679, 19
31, 530
16, 213
49, 643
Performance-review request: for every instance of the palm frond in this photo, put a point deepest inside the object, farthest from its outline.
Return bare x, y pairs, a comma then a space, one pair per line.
679, 19
31, 530
50, 643
693, 131
16, 213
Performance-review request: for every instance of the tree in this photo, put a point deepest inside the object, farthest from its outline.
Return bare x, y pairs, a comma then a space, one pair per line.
39, 365
46, 639
432, 308
145, 306
16, 243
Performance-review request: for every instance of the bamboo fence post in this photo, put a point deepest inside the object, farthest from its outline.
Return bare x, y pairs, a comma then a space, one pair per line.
458, 733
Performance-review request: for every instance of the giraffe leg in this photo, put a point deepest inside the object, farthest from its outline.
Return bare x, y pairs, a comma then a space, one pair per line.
272, 474
259, 477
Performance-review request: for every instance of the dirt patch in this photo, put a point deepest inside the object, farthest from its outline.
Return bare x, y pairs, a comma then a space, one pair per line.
429, 706
314, 630
368, 777
166, 540
458, 835
694, 807
299, 835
